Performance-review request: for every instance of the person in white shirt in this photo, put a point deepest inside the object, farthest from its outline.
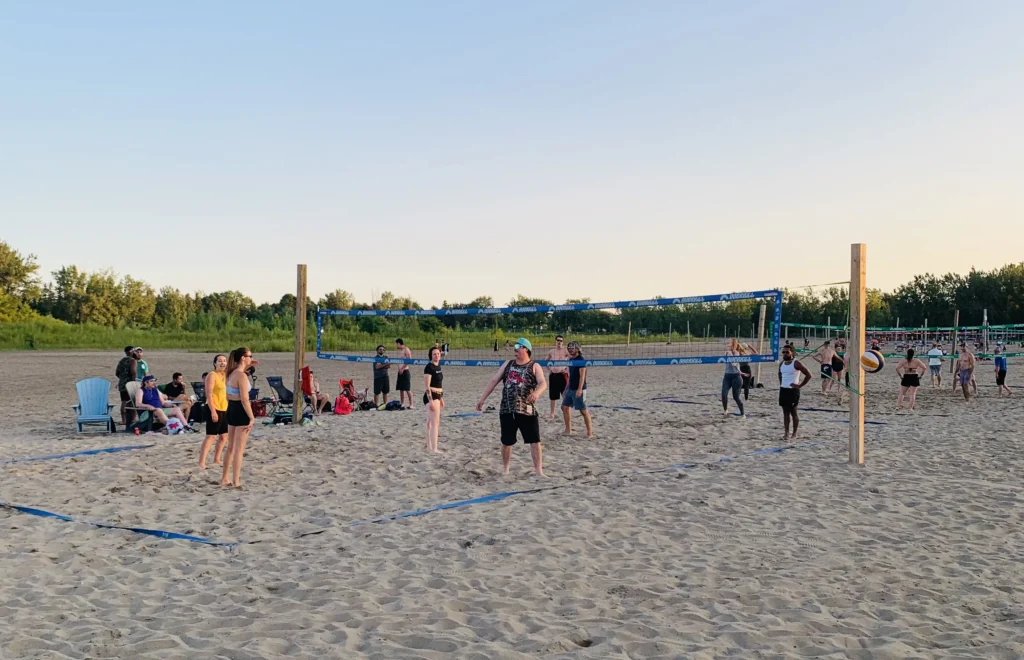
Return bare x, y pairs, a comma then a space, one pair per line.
935, 364
789, 389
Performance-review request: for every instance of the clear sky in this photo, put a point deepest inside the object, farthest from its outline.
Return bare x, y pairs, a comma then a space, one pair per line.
558, 149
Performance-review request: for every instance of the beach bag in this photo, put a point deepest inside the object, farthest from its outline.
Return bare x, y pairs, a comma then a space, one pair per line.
174, 426
342, 406
282, 417
366, 405
259, 408
393, 405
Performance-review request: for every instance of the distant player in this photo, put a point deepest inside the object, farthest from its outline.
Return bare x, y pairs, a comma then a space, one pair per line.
965, 364
403, 381
789, 389
826, 356
1000, 363
935, 364
558, 377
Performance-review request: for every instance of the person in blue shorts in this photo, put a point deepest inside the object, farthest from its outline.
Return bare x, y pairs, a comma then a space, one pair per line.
576, 393
1000, 362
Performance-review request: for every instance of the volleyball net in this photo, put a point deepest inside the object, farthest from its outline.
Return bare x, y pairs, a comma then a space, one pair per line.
654, 332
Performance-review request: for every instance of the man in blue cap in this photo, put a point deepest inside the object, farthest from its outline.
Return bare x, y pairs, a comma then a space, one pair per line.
523, 384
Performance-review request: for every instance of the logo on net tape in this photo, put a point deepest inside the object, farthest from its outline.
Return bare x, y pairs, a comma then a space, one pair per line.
600, 305
449, 312
456, 363
737, 296
520, 310
598, 363
640, 363
686, 361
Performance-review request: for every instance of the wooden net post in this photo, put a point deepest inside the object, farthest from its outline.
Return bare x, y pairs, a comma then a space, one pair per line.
858, 298
300, 341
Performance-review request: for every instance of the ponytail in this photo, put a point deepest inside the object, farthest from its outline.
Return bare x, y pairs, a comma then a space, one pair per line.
235, 358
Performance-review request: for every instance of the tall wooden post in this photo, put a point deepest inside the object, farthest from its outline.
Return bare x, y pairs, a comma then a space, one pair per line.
984, 322
629, 332
687, 330
858, 299
760, 339
670, 333
300, 341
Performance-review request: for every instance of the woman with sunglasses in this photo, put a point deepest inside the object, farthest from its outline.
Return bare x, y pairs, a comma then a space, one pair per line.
239, 415
433, 396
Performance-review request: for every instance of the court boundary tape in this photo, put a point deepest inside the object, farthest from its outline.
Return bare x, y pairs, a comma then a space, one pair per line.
159, 533
496, 497
85, 452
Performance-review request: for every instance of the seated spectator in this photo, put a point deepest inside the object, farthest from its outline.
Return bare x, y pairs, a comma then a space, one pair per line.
319, 400
150, 398
175, 391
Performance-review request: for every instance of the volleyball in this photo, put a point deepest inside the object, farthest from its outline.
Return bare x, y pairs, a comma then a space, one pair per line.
872, 361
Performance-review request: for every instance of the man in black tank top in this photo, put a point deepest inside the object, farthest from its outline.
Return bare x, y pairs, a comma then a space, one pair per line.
523, 384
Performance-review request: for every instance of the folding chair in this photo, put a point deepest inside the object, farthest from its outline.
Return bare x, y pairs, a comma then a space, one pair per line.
285, 400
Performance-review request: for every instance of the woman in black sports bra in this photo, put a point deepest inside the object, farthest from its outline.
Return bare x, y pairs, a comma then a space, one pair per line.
433, 397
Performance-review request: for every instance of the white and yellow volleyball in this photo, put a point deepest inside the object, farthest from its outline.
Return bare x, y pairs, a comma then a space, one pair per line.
872, 361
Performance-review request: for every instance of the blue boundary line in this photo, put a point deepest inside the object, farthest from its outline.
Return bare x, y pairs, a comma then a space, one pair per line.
159, 533
87, 452
495, 497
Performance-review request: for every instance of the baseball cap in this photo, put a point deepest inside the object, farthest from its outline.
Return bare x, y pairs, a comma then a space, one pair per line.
525, 343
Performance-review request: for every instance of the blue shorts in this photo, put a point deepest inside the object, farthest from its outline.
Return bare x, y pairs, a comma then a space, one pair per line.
936, 369
573, 401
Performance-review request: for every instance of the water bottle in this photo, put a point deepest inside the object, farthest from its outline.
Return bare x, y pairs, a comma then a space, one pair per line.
136, 430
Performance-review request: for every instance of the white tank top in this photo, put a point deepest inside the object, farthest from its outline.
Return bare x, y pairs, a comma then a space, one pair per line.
788, 372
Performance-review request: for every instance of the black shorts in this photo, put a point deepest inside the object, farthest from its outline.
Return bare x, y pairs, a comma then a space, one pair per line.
382, 385
826, 371
124, 395
220, 427
528, 425
1001, 377
556, 386
910, 380
403, 382
235, 415
433, 395
789, 397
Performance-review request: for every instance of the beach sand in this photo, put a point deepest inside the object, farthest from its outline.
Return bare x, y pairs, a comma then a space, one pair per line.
919, 554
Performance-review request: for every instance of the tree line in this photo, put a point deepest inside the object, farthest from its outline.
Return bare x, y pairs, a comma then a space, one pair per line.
103, 298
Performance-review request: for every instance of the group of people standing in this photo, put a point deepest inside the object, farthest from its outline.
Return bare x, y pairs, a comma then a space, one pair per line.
229, 414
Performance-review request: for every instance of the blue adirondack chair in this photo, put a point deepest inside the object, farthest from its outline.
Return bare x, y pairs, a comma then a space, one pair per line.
92, 408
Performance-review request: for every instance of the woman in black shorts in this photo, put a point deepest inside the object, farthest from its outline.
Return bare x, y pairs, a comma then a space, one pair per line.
910, 369
239, 415
433, 397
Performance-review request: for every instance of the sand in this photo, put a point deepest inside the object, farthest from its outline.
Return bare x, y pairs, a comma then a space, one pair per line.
791, 554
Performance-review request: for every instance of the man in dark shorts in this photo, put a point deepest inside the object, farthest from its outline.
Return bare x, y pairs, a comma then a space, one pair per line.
523, 384
381, 380
789, 389
403, 381
125, 373
557, 376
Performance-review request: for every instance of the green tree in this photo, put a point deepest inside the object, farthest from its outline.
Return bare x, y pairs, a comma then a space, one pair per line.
18, 274
172, 308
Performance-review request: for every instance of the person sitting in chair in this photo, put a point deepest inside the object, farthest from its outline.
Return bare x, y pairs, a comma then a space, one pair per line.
175, 391
318, 400
150, 398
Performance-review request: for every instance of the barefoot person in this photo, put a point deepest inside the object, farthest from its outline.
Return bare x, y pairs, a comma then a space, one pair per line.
935, 364
239, 415
433, 396
576, 394
1000, 364
789, 389
381, 381
403, 381
523, 383
965, 364
910, 369
732, 379
148, 397
175, 391
557, 376
824, 356
216, 411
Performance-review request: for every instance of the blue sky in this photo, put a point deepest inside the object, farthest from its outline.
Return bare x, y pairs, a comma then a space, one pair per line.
447, 150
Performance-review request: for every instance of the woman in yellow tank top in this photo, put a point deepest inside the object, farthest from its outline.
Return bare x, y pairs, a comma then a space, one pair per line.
216, 411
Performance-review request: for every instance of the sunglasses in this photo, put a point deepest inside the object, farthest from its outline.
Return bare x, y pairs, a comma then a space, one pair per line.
518, 346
